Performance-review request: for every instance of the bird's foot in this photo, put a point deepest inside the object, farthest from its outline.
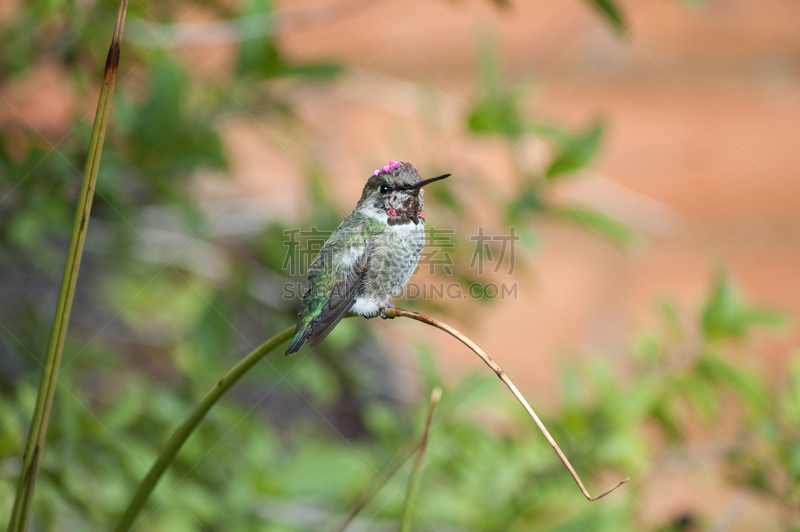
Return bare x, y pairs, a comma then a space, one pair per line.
383, 312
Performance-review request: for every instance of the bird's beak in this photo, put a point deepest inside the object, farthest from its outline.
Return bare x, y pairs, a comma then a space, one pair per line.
420, 184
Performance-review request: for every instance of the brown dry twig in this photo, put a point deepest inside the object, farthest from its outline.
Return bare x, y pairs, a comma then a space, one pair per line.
393, 312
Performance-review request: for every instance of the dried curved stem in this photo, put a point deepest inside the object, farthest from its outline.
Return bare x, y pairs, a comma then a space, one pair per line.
394, 312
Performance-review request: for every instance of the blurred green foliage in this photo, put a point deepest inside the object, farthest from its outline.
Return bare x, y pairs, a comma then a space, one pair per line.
610, 10
725, 316
243, 470
498, 113
300, 436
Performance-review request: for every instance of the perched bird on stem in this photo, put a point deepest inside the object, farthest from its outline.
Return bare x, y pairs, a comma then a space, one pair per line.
370, 256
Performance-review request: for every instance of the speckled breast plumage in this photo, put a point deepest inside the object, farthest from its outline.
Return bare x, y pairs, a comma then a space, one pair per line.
394, 258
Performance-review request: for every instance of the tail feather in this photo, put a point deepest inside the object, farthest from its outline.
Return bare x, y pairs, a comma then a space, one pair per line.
298, 340
324, 324
320, 327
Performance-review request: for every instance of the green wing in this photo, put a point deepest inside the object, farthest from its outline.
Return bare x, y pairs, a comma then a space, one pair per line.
334, 283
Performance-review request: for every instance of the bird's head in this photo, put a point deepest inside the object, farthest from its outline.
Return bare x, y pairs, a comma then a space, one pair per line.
396, 189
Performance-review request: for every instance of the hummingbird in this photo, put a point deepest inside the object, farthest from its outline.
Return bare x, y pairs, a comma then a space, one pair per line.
369, 257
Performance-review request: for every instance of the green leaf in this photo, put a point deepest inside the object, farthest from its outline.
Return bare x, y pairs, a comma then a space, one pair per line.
497, 114
725, 316
527, 200
576, 152
670, 313
261, 58
702, 397
169, 137
721, 312
598, 222
609, 9
497, 111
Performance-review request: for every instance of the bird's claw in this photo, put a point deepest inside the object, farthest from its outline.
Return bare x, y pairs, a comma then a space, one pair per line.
383, 312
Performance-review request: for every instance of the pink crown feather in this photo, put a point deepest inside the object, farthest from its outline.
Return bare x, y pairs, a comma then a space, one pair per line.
388, 168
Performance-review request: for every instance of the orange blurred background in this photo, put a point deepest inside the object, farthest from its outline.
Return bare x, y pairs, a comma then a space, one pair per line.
701, 108
702, 111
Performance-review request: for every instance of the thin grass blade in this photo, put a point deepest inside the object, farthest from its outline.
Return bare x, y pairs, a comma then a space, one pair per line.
20, 514
413, 483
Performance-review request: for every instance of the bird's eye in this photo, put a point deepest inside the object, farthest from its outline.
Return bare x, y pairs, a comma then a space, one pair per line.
384, 189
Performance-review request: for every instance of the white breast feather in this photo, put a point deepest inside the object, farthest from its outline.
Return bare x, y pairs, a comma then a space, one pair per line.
375, 214
351, 255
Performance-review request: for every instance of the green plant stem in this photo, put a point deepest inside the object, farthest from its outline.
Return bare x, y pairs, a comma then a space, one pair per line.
413, 482
182, 433
369, 492
20, 514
